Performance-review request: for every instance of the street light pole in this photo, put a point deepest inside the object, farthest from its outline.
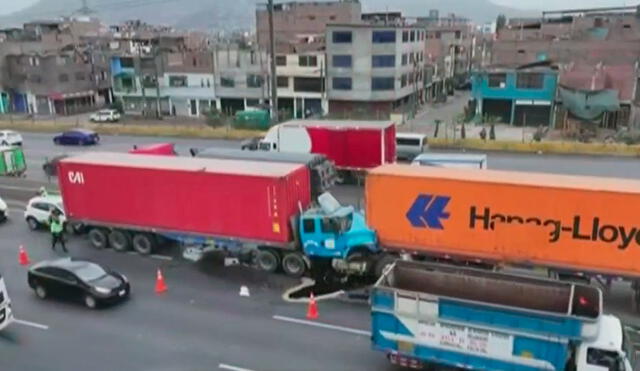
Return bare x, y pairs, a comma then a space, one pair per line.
274, 79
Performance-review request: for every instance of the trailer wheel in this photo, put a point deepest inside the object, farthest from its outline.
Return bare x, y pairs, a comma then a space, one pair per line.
143, 243
383, 263
268, 260
293, 264
98, 238
120, 240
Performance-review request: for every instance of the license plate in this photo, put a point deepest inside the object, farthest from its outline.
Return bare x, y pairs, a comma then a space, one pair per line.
122, 292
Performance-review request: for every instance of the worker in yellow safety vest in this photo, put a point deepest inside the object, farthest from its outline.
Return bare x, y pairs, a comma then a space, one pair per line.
57, 228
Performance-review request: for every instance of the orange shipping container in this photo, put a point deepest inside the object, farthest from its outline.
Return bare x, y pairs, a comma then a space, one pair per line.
580, 223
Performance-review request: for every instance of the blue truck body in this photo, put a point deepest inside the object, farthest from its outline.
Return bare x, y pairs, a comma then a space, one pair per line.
427, 314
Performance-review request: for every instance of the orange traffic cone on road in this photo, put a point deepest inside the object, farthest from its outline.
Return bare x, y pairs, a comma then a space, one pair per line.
161, 286
312, 310
23, 257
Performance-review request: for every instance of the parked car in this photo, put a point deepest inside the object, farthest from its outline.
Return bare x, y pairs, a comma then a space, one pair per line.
50, 167
4, 210
105, 115
10, 138
78, 137
78, 280
410, 145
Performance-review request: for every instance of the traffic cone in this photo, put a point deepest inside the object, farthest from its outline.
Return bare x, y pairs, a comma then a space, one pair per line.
23, 257
312, 310
161, 286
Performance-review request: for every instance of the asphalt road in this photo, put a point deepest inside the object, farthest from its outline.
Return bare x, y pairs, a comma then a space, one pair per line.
202, 323
199, 324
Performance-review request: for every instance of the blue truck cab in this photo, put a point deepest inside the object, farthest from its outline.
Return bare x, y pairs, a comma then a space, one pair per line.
430, 314
335, 231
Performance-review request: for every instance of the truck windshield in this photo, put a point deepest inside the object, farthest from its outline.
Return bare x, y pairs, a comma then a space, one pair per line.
605, 358
337, 225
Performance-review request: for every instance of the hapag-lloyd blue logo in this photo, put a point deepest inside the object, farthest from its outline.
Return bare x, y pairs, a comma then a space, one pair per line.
428, 211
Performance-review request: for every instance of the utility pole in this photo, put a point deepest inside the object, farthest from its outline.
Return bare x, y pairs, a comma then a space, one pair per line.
274, 78
156, 52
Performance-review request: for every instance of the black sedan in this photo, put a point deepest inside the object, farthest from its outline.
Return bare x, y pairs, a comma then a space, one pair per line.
79, 137
78, 280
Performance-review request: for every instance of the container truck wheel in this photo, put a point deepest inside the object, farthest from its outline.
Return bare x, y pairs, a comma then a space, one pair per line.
383, 262
293, 264
120, 240
143, 243
98, 238
268, 260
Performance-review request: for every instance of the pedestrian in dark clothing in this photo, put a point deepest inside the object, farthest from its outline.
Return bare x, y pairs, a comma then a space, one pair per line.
57, 229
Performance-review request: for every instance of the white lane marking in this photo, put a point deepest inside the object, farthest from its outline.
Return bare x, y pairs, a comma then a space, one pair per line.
15, 188
323, 325
225, 366
30, 324
162, 257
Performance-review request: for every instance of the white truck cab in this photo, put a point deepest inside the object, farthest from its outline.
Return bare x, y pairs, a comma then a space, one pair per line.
6, 315
610, 350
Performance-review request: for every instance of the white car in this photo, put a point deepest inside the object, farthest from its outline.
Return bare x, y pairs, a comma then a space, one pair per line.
4, 211
10, 138
105, 115
39, 209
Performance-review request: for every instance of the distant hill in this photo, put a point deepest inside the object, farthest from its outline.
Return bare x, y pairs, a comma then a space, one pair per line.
236, 14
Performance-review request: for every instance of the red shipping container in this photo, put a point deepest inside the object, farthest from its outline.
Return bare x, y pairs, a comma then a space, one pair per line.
353, 145
223, 198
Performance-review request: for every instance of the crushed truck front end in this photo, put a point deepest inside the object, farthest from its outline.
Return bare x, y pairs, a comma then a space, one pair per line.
429, 314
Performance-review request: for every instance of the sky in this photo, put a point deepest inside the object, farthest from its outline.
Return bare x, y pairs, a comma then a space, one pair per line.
9, 6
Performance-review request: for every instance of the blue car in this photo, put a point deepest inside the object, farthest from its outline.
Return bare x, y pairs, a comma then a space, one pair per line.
80, 137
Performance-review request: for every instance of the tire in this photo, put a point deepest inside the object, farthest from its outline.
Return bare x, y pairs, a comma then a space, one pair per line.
33, 223
120, 240
268, 260
383, 263
143, 243
57, 142
293, 265
98, 238
40, 291
90, 302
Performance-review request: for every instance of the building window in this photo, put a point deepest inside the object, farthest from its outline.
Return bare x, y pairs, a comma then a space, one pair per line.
332, 17
35, 79
307, 61
405, 36
80, 76
126, 62
227, 82
382, 61
342, 83
34, 61
342, 61
342, 37
458, 35
437, 35
177, 81
63, 77
254, 81
497, 80
413, 36
382, 83
308, 84
281, 60
381, 37
405, 59
403, 80
283, 81
530, 81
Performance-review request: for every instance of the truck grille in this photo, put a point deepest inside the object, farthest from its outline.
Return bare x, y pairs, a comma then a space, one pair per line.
3, 315
1, 297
